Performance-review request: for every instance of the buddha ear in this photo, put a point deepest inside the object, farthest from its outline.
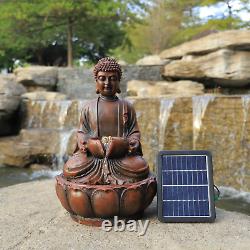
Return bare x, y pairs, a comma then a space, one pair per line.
118, 90
96, 88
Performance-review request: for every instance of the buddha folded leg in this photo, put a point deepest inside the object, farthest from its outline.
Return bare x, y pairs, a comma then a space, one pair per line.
130, 168
135, 165
90, 170
78, 164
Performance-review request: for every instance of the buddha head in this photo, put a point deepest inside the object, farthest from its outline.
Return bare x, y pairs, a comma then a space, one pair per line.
107, 73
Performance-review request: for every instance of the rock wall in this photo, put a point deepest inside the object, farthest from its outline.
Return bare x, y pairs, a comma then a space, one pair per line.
216, 123
10, 99
232, 39
37, 77
220, 59
163, 88
78, 83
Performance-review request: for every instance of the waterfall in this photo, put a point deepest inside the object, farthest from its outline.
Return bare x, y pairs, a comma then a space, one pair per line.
245, 104
241, 172
64, 134
165, 110
58, 116
42, 108
64, 106
31, 118
36, 120
200, 104
64, 141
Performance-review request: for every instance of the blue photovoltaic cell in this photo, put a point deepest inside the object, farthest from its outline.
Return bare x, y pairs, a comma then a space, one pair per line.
185, 187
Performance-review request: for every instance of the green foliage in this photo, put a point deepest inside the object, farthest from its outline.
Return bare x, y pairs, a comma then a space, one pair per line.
156, 31
37, 31
29, 27
209, 2
172, 22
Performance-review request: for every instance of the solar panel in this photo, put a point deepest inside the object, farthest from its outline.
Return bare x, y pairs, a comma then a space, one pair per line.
185, 186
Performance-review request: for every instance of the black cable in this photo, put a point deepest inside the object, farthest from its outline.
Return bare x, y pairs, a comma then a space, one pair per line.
216, 196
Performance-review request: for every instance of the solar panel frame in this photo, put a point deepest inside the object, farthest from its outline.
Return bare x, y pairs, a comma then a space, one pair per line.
209, 170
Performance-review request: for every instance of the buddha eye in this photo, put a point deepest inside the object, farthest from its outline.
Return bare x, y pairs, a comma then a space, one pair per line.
113, 78
102, 78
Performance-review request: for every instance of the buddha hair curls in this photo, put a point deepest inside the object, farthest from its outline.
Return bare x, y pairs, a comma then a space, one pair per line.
107, 64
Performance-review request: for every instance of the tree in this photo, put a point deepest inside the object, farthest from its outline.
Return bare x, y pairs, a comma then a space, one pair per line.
84, 28
171, 22
156, 30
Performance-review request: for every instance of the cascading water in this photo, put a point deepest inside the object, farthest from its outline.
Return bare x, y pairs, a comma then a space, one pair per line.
52, 116
36, 120
241, 172
31, 118
64, 107
165, 110
200, 104
245, 104
64, 141
65, 134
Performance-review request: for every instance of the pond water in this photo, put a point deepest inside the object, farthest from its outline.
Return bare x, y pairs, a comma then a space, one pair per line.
234, 200
11, 176
231, 199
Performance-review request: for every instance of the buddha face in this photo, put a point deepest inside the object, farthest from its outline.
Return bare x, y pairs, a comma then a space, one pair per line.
107, 83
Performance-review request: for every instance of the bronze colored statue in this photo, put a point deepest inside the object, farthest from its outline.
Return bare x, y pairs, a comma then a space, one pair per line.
107, 175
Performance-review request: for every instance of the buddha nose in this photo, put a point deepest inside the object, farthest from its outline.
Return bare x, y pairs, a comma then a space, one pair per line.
107, 81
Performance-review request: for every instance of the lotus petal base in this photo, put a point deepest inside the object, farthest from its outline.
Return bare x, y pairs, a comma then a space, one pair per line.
91, 204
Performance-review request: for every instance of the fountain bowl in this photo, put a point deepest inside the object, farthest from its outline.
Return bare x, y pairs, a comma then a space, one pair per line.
91, 204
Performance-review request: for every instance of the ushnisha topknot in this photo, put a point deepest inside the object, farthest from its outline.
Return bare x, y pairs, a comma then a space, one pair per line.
107, 64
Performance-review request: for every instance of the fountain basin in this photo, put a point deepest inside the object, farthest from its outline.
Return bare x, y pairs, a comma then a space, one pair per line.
90, 204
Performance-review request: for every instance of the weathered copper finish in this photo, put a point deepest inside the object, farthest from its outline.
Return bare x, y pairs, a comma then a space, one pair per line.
107, 175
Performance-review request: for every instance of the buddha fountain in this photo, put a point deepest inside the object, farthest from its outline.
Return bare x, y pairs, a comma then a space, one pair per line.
107, 175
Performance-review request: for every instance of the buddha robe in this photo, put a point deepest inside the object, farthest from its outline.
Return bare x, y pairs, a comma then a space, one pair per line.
115, 119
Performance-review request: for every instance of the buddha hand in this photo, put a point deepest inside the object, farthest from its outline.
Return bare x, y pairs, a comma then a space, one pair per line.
96, 148
133, 145
117, 147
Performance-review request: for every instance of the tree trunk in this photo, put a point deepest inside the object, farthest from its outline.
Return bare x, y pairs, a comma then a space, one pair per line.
39, 56
69, 43
229, 6
230, 13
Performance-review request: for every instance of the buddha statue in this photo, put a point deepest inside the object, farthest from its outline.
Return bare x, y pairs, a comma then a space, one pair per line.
106, 175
